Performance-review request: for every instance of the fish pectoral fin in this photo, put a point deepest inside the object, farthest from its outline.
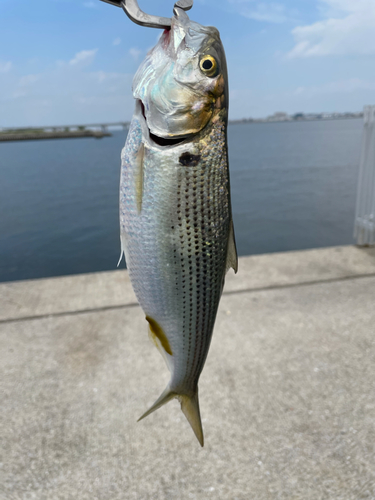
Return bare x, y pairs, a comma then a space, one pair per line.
166, 396
190, 408
232, 258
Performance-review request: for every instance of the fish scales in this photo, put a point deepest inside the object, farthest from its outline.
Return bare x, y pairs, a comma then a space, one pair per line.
176, 248
175, 211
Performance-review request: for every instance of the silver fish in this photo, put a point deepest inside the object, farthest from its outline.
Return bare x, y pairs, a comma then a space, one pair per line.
175, 211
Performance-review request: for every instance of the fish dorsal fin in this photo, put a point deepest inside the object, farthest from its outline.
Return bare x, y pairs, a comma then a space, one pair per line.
232, 258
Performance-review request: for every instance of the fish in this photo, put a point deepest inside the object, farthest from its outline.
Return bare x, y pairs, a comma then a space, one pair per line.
175, 206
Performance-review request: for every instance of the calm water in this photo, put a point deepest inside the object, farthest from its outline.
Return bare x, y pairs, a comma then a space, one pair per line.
293, 187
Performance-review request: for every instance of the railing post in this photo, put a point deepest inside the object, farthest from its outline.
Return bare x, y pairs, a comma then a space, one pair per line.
364, 225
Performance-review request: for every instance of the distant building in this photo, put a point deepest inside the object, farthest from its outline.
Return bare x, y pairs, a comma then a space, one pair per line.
280, 116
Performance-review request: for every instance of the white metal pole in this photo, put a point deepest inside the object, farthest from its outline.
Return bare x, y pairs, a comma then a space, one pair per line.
364, 225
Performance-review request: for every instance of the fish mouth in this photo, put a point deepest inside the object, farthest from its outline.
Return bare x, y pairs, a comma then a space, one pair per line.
160, 141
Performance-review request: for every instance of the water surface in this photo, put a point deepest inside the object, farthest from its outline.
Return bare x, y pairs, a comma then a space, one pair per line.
293, 187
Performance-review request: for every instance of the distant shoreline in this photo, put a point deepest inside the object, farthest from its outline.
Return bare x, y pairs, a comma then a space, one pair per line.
355, 116
32, 136
74, 131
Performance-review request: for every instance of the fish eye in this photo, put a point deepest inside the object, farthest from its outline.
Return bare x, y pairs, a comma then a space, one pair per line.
208, 65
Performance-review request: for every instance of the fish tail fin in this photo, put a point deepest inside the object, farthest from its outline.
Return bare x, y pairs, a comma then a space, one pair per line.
189, 407
163, 399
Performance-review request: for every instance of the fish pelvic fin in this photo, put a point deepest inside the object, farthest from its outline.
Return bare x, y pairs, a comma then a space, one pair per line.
189, 407
122, 253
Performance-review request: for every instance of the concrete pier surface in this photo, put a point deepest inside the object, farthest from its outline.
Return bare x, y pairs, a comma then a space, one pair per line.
287, 394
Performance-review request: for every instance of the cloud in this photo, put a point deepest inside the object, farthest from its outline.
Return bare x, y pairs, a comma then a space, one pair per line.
350, 30
84, 57
5, 67
135, 53
117, 41
64, 93
270, 12
27, 80
341, 86
334, 96
267, 12
24, 86
90, 5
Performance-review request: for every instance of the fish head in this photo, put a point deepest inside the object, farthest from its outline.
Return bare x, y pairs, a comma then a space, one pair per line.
182, 83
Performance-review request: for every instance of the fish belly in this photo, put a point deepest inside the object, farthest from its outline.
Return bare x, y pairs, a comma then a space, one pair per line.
175, 222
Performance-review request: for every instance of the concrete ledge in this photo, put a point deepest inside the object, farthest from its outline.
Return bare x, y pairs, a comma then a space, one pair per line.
307, 266
287, 393
26, 299
82, 292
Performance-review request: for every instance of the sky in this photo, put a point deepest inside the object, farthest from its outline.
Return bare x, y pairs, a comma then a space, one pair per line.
65, 62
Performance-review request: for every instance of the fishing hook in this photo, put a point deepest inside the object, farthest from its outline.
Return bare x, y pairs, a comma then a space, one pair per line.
137, 15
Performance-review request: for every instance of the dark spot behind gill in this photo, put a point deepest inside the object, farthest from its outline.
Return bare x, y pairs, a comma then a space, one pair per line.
189, 160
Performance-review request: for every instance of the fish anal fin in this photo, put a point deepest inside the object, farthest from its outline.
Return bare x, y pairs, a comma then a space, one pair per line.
167, 357
190, 408
122, 253
232, 258
158, 332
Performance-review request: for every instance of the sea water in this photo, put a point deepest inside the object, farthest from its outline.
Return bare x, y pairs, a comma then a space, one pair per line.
293, 187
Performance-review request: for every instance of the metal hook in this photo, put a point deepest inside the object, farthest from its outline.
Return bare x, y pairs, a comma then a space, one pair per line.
137, 15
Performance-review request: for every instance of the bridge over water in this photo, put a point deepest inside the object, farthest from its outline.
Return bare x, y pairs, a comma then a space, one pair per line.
97, 126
